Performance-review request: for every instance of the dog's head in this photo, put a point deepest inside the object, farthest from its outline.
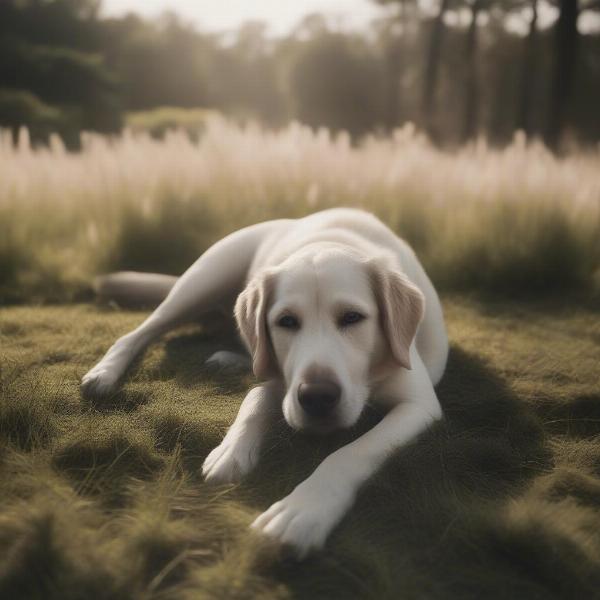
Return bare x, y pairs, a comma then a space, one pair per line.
327, 323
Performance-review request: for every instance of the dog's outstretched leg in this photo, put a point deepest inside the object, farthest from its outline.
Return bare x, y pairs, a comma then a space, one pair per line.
305, 517
214, 279
238, 453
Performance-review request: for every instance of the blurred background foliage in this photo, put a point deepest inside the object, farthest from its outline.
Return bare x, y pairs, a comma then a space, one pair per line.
455, 68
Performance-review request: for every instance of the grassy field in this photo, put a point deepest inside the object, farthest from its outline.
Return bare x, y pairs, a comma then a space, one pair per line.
105, 500
518, 220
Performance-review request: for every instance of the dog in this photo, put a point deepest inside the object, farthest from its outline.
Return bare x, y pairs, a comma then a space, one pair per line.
335, 310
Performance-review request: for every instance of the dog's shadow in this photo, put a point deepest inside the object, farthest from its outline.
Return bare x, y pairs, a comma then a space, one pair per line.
186, 350
431, 499
182, 356
489, 441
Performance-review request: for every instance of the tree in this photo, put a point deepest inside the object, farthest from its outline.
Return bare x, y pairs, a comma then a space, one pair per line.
528, 72
471, 78
392, 51
160, 63
336, 82
566, 48
50, 63
432, 67
565, 62
393, 36
433, 54
245, 76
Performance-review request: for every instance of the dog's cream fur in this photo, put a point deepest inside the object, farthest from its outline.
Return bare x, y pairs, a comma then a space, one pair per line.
315, 269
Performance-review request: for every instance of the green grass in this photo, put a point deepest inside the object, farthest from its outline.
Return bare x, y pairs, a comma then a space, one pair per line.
104, 499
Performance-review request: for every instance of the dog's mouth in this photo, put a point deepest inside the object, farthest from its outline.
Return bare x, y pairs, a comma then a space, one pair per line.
321, 426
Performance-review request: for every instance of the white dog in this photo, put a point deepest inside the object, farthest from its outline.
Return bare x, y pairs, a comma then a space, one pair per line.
335, 309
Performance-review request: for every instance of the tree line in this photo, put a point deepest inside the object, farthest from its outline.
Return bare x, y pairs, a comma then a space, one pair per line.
455, 68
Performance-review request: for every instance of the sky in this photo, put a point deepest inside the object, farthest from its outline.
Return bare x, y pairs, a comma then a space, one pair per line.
280, 15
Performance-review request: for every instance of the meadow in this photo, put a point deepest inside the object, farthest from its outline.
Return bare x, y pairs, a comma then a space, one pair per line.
518, 220
104, 499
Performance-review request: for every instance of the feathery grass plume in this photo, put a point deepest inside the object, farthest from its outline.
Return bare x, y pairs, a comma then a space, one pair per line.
513, 220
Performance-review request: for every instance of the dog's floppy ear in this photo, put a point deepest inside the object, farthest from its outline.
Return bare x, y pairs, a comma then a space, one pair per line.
251, 317
401, 308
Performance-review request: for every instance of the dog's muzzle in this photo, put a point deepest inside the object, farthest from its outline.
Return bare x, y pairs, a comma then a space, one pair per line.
318, 399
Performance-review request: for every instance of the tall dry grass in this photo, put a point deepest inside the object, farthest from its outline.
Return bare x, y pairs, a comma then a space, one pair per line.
511, 220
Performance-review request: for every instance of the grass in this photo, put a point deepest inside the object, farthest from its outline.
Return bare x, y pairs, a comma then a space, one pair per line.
105, 500
513, 221
158, 121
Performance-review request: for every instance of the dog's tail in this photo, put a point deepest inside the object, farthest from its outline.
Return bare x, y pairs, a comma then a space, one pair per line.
133, 289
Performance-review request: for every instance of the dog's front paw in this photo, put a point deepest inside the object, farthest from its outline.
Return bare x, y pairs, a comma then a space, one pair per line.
304, 519
99, 382
229, 462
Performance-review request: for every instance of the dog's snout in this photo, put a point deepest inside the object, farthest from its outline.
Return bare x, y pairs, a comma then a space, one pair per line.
319, 398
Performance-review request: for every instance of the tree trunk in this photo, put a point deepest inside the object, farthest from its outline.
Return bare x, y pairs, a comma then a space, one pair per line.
394, 56
471, 118
565, 60
432, 68
394, 67
528, 74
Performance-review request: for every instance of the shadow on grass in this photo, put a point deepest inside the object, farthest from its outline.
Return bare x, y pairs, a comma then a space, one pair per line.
528, 306
173, 433
102, 465
24, 425
576, 417
450, 515
186, 354
425, 522
486, 433
471, 509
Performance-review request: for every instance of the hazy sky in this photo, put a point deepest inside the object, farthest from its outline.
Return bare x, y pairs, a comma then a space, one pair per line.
281, 15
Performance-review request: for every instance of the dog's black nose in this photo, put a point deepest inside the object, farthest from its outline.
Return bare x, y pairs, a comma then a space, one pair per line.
318, 399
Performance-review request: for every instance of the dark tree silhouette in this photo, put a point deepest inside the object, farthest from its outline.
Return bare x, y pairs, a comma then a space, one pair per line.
52, 74
432, 67
528, 73
433, 56
392, 33
335, 81
471, 103
565, 63
393, 61
66, 68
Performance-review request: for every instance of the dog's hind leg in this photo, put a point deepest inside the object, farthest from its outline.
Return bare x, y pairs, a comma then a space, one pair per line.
225, 359
212, 281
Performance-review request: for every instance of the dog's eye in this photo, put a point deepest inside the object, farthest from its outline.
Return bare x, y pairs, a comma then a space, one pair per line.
350, 318
288, 322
